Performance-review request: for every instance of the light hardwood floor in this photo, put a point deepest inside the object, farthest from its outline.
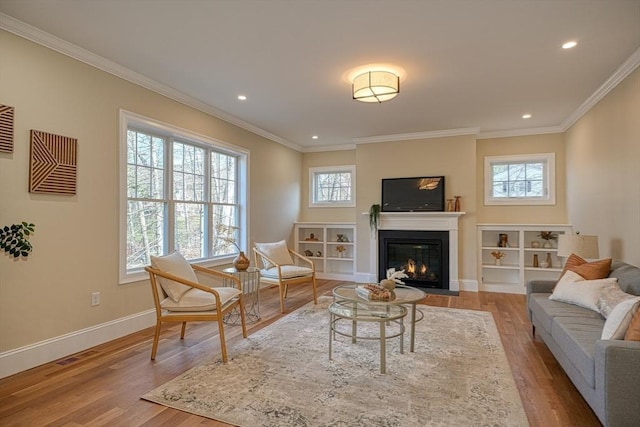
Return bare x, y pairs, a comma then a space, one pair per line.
103, 385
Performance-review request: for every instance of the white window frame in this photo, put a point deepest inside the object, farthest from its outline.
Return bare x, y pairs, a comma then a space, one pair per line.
314, 171
133, 120
549, 177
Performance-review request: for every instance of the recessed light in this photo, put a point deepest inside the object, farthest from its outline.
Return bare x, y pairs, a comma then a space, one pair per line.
526, 116
242, 97
314, 137
570, 44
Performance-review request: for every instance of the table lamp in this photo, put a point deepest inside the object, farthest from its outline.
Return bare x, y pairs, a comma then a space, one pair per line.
584, 246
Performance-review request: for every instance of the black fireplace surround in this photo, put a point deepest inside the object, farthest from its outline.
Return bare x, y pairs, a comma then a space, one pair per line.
424, 255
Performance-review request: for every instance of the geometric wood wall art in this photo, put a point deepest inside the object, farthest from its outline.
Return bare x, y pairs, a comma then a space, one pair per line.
6, 128
52, 163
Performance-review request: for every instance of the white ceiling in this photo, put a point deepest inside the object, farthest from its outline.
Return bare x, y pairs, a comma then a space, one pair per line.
467, 63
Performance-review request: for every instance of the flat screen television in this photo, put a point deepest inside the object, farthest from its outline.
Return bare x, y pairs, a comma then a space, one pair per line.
420, 194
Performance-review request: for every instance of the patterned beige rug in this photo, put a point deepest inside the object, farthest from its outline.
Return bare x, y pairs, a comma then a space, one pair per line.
281, 376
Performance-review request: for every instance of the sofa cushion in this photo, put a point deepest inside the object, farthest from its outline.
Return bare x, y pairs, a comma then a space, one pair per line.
628, 277
545, 310
616, 325
576, 337
199, 300
633, 331
589, 270
573, 289
610, 297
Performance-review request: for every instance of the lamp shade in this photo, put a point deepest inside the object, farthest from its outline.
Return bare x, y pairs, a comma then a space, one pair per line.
376, 86
583, 246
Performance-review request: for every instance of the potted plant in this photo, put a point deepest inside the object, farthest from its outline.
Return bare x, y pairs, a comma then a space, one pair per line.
340, 249
498, 255
547, 236
374, 217
14, 239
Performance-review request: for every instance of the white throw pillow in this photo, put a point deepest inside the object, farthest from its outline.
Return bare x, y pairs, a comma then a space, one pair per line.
277, 252
618, 321
573, 289
175, 264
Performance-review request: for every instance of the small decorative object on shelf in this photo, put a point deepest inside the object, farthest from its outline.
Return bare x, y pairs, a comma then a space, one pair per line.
449, 205
319, 253
535, 260
457, 206
547, 236
307, 252
341, 238
535, 244
340, 250
312, 237
497, 255
549, 262
504, 240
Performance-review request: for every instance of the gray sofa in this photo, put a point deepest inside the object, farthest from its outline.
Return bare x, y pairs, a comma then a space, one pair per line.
605, 372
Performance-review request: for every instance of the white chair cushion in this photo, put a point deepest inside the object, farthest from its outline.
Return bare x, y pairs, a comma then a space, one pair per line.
277, 251
288, 271
199, 300
175, 264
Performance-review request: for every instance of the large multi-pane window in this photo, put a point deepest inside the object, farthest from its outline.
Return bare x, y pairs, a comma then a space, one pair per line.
332, 186
181, 194
523, 179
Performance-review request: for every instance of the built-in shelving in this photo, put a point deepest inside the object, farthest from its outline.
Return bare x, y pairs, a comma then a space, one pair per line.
517, 267
322, 247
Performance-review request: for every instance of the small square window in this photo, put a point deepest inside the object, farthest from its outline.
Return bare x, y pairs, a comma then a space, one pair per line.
332, 186
520, 180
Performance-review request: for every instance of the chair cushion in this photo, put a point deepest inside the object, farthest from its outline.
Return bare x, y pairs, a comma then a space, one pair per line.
288, 272
199, 300
545, 310
175, 264
277, 251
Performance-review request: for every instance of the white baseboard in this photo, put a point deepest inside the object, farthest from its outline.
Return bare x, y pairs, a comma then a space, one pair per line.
468, 285
30, 356
503, 288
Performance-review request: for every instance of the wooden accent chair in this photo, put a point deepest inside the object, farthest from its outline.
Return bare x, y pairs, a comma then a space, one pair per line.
179, 297
282, 266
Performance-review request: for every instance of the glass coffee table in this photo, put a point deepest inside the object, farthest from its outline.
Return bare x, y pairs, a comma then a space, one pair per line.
402, 295
363, 311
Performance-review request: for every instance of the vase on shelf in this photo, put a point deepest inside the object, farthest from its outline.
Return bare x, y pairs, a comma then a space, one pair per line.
241, 262
547, 244
498, 261
535, 244
549, 260
535, 260
449, 205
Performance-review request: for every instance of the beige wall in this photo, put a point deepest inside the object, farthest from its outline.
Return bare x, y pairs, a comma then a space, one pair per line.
76, 239
535, 144
453, 157
603, 172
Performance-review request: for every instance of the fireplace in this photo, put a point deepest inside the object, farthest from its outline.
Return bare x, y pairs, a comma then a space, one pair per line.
423, 255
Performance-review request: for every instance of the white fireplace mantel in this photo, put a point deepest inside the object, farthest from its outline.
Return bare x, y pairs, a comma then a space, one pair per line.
423, 221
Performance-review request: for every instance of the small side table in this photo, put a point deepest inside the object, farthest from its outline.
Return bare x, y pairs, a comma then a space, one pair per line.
250, 279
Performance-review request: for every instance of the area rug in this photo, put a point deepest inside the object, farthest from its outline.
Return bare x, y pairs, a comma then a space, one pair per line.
282, 376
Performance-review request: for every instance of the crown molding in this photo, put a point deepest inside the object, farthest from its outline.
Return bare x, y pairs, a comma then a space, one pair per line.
520, 132
619, 75
321, 148
57, 44
417, 135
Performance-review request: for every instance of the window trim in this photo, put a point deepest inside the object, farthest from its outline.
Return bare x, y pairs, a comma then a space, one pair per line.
141, 122
549, 180
313, 171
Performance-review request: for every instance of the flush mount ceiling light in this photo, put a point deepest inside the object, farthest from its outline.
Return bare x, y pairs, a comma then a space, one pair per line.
375, 86
570, 44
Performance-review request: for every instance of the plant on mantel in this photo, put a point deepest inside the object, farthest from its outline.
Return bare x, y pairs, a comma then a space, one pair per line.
14, 239
374, 217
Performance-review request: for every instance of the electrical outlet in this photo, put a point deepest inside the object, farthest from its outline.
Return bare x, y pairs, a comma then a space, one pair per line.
95, 298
